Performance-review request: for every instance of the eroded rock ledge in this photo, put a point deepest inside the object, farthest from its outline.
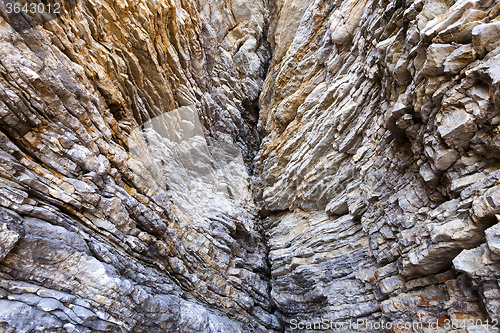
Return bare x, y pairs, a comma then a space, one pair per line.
135, 169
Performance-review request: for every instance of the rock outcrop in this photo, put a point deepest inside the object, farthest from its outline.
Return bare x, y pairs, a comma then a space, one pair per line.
127, 134
378, 170
243, 166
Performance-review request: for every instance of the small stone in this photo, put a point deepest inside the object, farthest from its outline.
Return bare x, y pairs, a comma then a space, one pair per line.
29, 299
457, 127
457, 229
459, 58
443, 159
59, 295
469, 261
459, 184
83, 313
388, 285
493, 238
486, 37
436, 57
50, 304
488, 204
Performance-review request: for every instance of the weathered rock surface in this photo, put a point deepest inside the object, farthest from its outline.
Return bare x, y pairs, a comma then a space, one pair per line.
378, 170
240, 166
127, 131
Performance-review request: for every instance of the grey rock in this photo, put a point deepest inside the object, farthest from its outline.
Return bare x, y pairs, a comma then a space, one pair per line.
29, 299
457, 127
10, 231
24, 318
230, 166
493, 239
437, 54
49, 304
83, 313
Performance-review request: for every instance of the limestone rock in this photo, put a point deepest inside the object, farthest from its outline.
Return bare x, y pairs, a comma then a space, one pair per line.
127, 132
237, 166
380, 140
436, 58
485, 37
457, 127
459, 58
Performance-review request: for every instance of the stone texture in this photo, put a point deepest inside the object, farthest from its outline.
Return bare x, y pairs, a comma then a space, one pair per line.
384, 175
127, 131
233, 166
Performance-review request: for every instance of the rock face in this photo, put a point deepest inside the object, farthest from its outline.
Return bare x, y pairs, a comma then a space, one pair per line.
378, 169
127, 135
241, 166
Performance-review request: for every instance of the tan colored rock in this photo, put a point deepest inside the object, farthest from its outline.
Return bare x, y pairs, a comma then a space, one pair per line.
436, 57
461, 30
487, 203
459, 59
485, 38
457, 126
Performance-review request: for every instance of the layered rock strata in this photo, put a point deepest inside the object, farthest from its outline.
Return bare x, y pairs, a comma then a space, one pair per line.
142, 191
127, 131
379, 165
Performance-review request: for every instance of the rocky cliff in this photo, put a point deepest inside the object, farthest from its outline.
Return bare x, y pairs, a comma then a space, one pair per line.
241, 166
379, 165
127, 135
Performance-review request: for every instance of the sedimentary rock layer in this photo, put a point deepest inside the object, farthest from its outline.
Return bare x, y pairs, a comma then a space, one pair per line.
127, 131
378, 170
240, 166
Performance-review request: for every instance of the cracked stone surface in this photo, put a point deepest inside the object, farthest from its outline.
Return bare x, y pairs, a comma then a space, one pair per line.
127, 132
233, 166
378, 169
